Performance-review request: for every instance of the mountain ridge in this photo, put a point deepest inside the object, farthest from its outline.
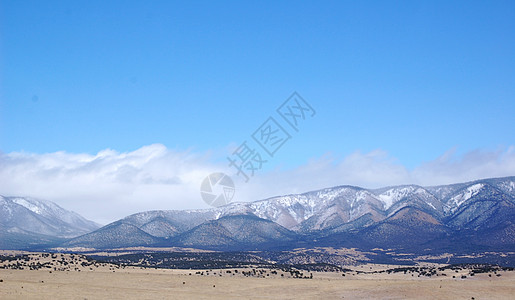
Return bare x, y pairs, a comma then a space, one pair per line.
405, 217
349, 210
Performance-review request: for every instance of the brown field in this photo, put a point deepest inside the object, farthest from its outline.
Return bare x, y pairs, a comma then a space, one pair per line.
112, 282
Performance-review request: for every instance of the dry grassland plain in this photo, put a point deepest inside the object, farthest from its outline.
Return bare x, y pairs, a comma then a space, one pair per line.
112, 282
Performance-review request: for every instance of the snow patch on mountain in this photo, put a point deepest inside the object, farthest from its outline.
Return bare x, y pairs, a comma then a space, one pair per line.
394, 195
431, 204
456, 201
508, 187
360, 197
28, 205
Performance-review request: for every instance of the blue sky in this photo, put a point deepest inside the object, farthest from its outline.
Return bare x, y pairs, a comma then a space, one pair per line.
413, 79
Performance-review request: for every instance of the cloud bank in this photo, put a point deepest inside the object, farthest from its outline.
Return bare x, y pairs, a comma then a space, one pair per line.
110, 185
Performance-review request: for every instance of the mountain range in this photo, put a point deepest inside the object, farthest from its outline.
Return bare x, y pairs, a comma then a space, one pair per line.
473, 216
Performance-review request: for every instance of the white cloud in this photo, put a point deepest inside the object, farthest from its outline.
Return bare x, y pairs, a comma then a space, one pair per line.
108, 185
111, 185
378, 169
450, 168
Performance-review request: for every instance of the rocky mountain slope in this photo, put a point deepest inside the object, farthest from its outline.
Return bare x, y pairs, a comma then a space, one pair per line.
28, 221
